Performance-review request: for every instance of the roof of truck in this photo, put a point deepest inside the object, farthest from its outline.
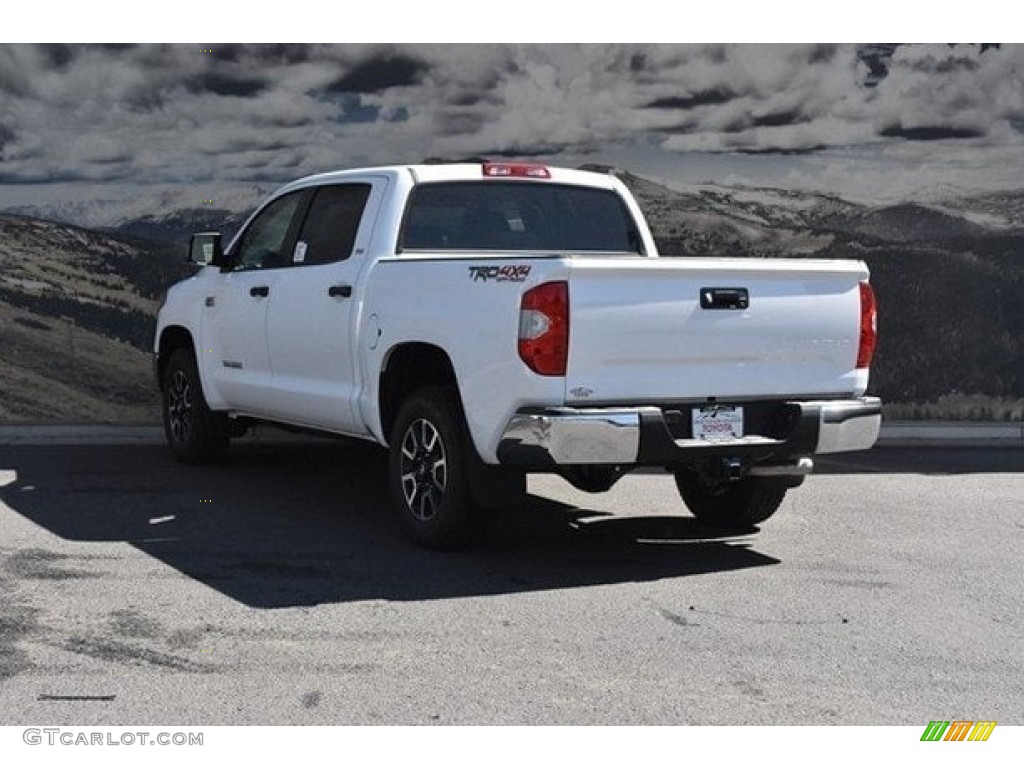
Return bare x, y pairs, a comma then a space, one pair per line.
497, 170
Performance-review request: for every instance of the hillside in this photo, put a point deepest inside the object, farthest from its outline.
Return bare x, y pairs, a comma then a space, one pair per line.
77, 312
949, 275
77, 306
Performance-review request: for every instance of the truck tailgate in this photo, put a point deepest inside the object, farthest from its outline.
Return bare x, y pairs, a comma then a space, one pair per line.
639, 333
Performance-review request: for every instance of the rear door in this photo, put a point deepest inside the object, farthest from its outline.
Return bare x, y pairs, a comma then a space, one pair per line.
312, 320
662, 330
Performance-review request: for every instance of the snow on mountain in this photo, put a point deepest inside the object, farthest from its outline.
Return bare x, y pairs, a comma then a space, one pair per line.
689, 221
140, 203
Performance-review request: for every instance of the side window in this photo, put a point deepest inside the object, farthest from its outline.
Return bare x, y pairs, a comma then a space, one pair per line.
263, 243
329, 232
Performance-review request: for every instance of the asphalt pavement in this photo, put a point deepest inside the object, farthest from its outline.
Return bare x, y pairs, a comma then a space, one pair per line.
276, 590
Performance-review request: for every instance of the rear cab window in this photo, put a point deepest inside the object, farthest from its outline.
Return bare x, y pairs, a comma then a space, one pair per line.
518, 216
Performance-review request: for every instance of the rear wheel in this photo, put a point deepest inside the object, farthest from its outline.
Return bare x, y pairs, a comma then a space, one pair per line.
731, 505
195, 434
429, 471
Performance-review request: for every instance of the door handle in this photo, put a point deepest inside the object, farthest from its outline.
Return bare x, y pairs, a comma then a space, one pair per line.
344, 291
724, 298
259, 290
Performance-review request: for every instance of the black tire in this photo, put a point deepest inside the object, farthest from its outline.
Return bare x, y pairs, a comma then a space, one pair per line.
733, 506
429, 471
195, 434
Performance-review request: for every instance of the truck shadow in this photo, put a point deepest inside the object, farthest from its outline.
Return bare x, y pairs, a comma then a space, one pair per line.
304, 523
930, 460
924, 460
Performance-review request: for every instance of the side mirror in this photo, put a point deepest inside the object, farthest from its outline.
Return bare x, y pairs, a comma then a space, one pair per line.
205, 249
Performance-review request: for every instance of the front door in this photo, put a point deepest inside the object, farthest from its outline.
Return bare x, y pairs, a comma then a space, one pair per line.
233, 344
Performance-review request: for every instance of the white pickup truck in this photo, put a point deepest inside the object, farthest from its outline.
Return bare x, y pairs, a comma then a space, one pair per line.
488, 320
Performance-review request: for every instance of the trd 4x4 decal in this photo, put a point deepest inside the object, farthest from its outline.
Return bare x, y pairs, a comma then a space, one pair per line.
512, 273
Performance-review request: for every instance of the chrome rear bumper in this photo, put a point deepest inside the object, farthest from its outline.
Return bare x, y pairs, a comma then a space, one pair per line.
641, 436
573, 436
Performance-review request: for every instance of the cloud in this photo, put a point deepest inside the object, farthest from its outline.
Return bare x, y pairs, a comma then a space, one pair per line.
214, 113
930, 132
58, 55
691, 101
959, 91
6, 137
226, 84
379, 74
14, 73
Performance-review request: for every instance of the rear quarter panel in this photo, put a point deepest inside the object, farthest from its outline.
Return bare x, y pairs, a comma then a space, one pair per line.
444, 302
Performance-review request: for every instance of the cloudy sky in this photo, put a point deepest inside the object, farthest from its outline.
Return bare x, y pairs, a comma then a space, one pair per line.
215, 121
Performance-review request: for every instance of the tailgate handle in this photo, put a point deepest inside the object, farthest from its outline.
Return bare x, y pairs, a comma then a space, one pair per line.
724, 298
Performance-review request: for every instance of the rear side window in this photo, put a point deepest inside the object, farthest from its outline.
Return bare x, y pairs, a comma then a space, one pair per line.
517, 216
330, 228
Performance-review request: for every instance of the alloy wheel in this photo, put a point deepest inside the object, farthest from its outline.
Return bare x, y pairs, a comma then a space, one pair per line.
424, 469
179, 406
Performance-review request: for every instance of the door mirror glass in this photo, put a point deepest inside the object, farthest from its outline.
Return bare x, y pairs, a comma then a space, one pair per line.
205, 248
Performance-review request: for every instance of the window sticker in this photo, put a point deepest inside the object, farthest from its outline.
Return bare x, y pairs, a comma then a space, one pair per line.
300, 252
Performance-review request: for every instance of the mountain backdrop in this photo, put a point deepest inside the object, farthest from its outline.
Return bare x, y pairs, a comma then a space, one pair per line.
77, 305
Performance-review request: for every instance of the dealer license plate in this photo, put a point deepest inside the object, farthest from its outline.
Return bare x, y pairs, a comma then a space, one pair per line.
718, 422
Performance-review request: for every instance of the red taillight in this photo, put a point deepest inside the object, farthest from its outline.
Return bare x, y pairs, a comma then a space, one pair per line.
516, 170
544, 328
868, 326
